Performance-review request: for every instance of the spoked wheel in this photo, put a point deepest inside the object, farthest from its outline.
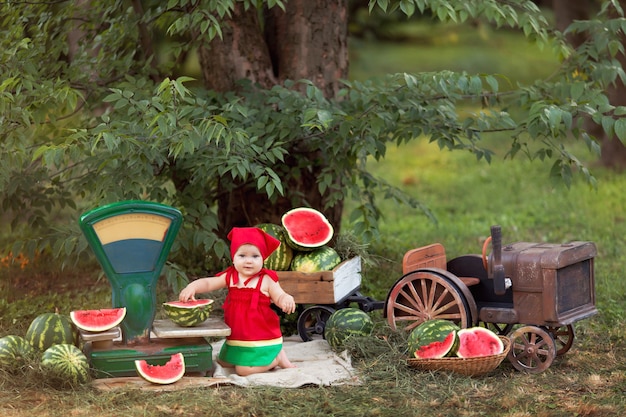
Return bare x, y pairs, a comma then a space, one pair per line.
427, 294
563, 338
501, 329
312, 322
532, 349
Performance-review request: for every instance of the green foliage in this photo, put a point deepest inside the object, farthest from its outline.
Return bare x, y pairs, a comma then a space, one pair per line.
96, 121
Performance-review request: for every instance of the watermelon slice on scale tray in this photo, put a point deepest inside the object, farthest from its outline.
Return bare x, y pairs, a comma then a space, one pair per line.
96, 321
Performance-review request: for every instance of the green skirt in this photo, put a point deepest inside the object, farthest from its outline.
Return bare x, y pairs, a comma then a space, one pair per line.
246, 353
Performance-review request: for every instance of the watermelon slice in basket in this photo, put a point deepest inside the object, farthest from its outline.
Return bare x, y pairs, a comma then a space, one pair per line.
98, 320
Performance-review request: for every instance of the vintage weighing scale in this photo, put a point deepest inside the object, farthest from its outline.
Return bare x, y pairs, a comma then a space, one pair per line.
132, 240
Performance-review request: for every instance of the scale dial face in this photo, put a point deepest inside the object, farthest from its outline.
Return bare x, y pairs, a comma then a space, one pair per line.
132, 226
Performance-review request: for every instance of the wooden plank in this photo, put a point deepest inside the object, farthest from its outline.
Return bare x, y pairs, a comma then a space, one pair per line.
213, 326
310, 292
305, 276
132, 382
325, 287
347, 278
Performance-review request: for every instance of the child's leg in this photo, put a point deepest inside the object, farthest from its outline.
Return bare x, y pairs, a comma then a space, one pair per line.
280, 360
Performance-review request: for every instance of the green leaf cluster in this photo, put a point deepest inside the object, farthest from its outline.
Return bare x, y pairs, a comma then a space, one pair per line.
90, 122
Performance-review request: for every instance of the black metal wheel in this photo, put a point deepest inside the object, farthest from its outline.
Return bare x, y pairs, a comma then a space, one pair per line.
532, 349
312, 322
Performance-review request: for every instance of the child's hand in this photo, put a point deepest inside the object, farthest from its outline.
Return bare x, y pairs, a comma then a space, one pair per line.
286, 303
187, 294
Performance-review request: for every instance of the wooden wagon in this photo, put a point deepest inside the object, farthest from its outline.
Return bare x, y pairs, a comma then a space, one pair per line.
319, 294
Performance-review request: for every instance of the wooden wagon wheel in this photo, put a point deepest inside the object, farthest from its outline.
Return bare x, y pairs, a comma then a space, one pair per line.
532, 349
312, 322
563, 338
427, 294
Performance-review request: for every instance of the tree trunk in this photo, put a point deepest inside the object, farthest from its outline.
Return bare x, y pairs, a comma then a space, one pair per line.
307, 40
613, 151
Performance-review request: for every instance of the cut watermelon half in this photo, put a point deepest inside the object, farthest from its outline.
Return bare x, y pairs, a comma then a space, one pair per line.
189, 304
98, 320
306, 228
165, 374
188, 313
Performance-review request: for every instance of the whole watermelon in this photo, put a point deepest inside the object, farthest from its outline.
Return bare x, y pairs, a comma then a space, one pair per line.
346, 323
49, 329
281, 258
15, 352
65, 364
433, 339
320, 259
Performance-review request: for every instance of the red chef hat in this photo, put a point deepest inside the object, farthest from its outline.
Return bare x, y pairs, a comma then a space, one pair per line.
253, 236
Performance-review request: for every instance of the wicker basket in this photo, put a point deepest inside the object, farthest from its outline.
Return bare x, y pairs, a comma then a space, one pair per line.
465, 366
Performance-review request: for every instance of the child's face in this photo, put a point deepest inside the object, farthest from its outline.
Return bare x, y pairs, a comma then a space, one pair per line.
248, 260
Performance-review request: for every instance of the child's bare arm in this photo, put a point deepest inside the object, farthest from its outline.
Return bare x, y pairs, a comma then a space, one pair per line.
201, 285
279, 297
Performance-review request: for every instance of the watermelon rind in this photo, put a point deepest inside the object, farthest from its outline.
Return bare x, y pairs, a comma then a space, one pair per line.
169, 373
306, 229
320, 259
15, 353
430, 332
50, 329
477, 342
96, 321
66, 364
280, 259
344, 324
188, 313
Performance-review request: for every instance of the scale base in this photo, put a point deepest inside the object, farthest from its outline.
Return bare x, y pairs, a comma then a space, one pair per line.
118, 360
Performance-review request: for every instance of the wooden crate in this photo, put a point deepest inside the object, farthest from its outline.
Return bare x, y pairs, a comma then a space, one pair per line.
325, 287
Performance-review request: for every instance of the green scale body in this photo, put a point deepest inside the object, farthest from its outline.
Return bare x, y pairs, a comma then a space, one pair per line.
132, 240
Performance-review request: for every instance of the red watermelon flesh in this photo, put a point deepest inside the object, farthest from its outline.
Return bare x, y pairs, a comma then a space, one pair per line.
190, 303
168, 373
437, 349
478, 341
98, 320
306, 228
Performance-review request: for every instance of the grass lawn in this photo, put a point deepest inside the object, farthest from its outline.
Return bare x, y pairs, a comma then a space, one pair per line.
466, 197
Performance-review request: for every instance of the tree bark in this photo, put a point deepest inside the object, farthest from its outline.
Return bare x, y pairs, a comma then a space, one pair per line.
308, 40
613, 151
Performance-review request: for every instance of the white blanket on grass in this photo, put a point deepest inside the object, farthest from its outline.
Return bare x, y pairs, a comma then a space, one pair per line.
316, 364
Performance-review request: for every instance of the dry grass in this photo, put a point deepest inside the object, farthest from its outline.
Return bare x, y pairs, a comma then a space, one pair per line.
589, 380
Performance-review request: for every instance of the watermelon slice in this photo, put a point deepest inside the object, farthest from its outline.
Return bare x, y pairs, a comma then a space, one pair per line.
306, 228
478, 341
98, 320
434, 338
437, 349
165, 374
